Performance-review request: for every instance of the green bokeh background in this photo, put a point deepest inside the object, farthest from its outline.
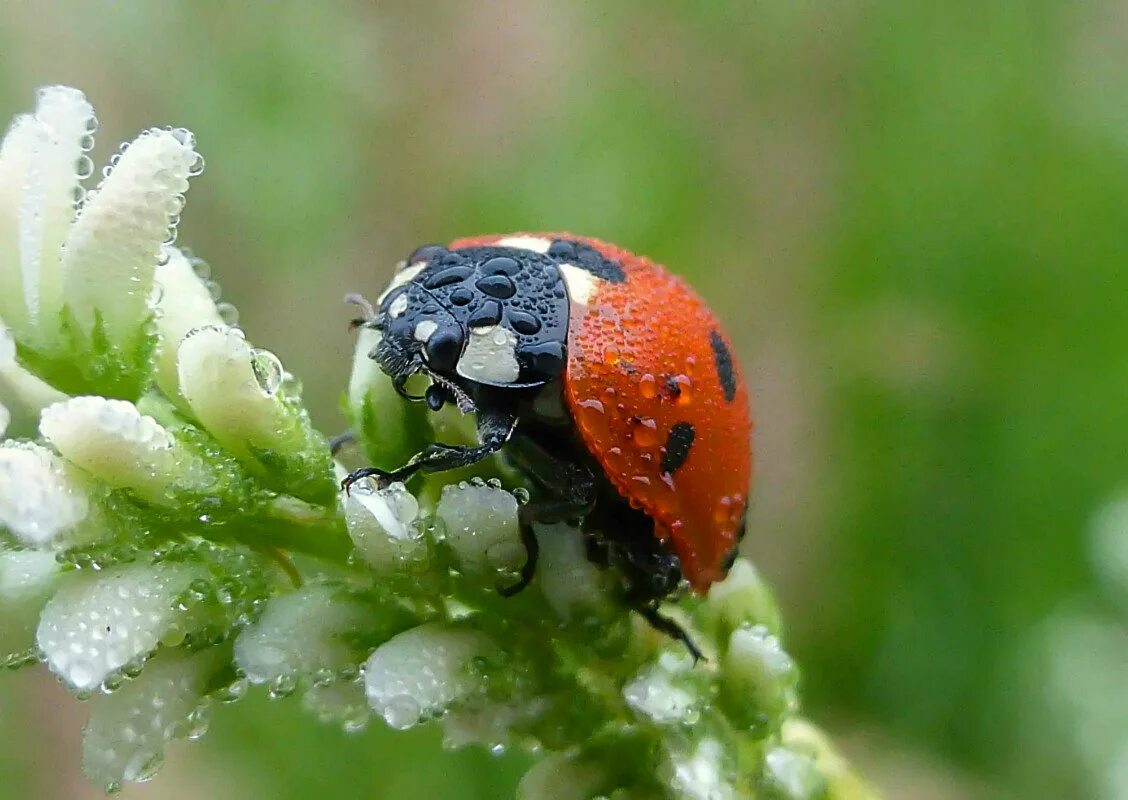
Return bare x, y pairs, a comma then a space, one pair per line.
914, 218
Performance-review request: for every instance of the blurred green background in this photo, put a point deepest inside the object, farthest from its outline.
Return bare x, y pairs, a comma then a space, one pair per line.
914, 218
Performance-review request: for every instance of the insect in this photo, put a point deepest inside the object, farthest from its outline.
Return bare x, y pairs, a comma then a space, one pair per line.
599, 373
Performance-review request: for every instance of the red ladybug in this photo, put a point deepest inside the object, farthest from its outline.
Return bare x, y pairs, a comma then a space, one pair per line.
604, 377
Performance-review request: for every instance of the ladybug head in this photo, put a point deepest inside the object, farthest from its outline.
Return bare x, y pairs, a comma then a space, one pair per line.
420, 336
472, 317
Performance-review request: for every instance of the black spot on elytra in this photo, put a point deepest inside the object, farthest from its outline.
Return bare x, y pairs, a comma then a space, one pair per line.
587, 258
677, 446
725, 371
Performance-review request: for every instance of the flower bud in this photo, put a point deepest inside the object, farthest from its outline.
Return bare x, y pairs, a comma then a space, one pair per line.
112, 441
421, 672
185, 303
98, 623
113, 246
234, 391
42, 503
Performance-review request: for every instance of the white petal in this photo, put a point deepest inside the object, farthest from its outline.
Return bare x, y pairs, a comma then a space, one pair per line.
233, 390
26, 573
98, 623
419, 673
656, 694
113, 441
21, 390
15, 160
114, 245
480, 525
381, 525
566, 577
185, 303
127, 732
64, 120
39, 502
299, 634
704, 774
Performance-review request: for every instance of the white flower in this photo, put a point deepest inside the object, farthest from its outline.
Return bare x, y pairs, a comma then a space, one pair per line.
92, 255
113, 440
96, 624
421, 672
233, 389
41, 503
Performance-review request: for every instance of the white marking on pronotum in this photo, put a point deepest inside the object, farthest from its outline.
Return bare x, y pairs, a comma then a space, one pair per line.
580, 283
402, 277
424, 330
398, 306
490, 356
534, 243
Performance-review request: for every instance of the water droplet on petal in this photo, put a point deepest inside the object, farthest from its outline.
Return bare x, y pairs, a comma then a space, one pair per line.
228, 313
401, 712
268, 370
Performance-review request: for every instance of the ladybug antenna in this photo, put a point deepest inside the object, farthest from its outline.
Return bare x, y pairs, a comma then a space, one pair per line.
461, 398
368, 313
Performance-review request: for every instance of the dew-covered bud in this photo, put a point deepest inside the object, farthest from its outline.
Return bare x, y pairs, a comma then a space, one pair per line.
184, 303
742, 598
420, 673
61, 123
793, 775
128, 729
300, 635
480, 526
26, 575
573, 586
382, 525
233, 389
111, 440
98, 623
42, 503
15, 158
393, 429
27, 578
758, 679
706, 772
664, 692
113, 246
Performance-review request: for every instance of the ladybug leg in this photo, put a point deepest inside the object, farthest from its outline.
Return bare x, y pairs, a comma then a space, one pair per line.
494, 430
667, 626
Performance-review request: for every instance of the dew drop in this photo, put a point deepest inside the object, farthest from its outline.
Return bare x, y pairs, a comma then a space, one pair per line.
84, 167
268, 370
228, 313
142, 767
201, 268
401, 712
282, 686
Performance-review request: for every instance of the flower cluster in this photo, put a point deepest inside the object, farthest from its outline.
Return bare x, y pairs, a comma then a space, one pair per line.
172, 533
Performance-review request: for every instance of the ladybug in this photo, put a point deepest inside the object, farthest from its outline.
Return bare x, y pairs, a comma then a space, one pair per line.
601, 375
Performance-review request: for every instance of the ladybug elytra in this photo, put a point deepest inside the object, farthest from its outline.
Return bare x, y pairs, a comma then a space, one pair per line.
603, 376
